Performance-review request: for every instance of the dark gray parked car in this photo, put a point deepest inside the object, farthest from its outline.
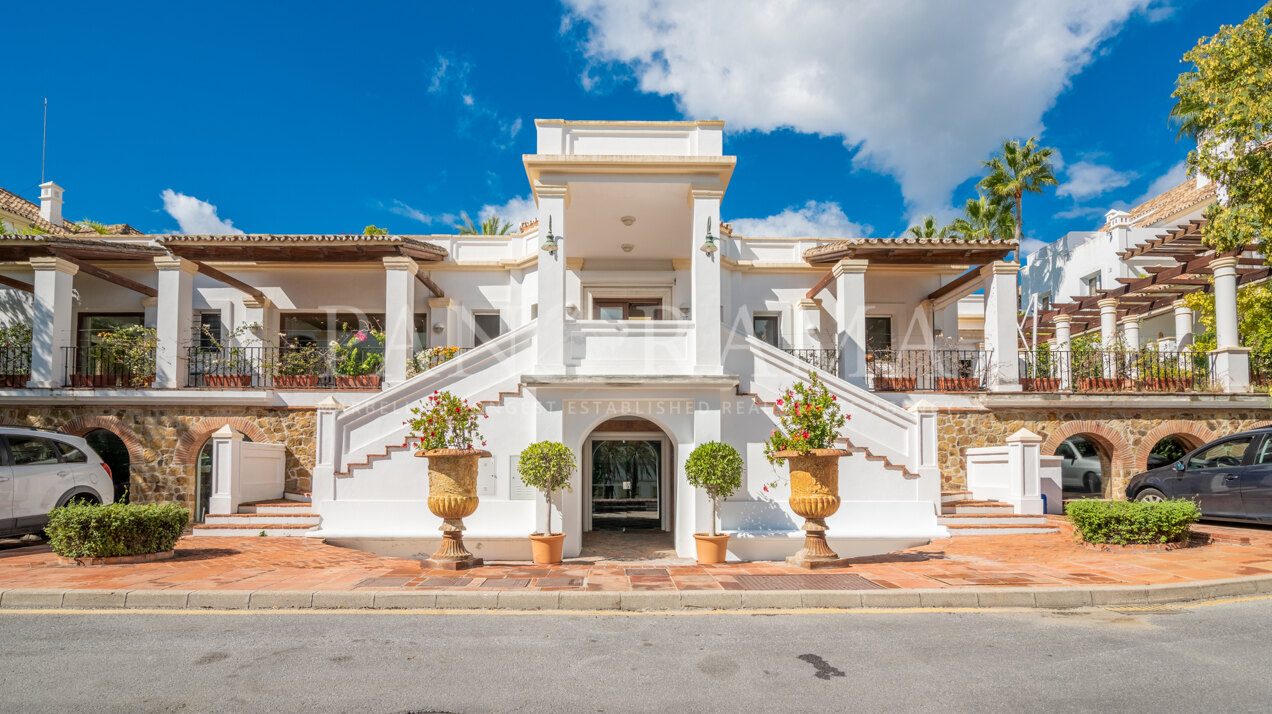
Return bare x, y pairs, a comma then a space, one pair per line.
1230, 478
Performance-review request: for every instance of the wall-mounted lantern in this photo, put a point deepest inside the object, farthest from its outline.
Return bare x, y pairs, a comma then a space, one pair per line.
709, 246
550, 244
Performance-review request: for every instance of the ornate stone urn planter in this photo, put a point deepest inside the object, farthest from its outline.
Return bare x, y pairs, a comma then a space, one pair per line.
452, 496
815, 497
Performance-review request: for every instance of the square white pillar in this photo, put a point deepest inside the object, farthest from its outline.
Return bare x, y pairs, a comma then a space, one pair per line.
262, 312
150, 312
808, 327
705, 298
850, 319
227, 461
550, 332
693, 508
173, 320
1001, 304
51, 312
1232, 361
443, 313
399, 316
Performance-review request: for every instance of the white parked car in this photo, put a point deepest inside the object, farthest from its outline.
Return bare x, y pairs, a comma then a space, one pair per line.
40, 470
1080, 470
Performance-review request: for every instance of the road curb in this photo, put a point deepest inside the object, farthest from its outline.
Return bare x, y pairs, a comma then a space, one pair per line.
935, 599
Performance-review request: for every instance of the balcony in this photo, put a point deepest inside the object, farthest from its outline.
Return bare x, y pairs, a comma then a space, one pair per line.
825, 360
928, 370
1099, 370
109, 367
630, 347
308, 367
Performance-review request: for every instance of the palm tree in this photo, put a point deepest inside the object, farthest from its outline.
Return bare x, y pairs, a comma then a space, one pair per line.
984, 218
928, 229
492, 226
1186, 114
1016, 170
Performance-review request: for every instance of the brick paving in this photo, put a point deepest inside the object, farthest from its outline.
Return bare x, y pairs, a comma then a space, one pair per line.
256, 563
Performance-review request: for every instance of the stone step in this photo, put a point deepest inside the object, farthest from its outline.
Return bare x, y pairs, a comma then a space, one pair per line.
987, 530
302, 496
952, 496
244, 531
275, 505
1012, 519
295, 519
970, 506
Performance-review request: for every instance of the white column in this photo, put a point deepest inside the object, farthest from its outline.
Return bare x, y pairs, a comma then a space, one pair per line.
443, 312
150, 312
850, 319
1025, 488
227, 452
399, 316
1108, 323
808, 325
693, 508
1131, 332
1064, 343
173, 317
326, 454
705, 299
550, 333
1183, 324
1232, 362
51, 314
927, 451
258, 311
1001, 306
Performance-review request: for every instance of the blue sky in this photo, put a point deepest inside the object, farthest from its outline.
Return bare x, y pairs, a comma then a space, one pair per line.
847, 118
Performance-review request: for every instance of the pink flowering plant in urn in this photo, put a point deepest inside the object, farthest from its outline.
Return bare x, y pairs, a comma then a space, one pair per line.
809, 418
446, 427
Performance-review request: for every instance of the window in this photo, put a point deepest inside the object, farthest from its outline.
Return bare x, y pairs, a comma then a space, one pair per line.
1044, 302
70, 454
625, 309
486, 327
1091, 284
90, 326
321, 328
878, 334
207, 332
421, 331
1265, 454
1222, 455
32, 451
766, 328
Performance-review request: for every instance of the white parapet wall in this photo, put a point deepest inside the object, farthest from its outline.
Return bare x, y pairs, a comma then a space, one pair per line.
243, 472
1011, 473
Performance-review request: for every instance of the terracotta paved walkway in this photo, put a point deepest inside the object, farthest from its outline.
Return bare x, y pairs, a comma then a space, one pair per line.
306, 564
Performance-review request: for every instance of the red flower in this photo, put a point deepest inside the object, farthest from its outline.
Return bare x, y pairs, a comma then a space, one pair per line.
779, 402
832, 397
765, 489
805, 435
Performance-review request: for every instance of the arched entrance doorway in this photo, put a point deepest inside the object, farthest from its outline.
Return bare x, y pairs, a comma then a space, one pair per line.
115, 453
628, 471
203, 479
1084, 467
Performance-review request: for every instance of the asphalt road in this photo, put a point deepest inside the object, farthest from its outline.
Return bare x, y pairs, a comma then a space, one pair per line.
1204, 658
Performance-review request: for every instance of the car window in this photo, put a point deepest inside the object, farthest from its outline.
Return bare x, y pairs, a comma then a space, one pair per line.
1265, 453
32, 451
1085, 448
70, 454
1224, 454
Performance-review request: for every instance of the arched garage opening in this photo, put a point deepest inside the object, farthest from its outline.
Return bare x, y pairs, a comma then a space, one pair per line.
1096, 452
115, 453
1168, 441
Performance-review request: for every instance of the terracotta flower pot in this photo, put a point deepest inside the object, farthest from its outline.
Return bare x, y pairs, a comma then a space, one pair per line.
14, 380
361, 381
957, 384
712, 549
895, 384
228, 380
295, 381
452, 496
1040, 384
546, 549
815, 497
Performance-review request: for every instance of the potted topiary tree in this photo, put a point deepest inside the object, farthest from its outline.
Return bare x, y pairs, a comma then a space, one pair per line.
546, 465
809, 421
716, 468
447, 429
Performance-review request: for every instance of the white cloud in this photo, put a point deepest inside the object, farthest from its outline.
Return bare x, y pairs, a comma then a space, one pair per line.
516, 210
923, 90
825, 219
1086, 179
402, 209
1174, 176
450, 77
196, 217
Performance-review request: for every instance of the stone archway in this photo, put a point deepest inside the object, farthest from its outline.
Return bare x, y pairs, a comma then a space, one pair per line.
81, 425
192, 440
1114, 446
1191, 433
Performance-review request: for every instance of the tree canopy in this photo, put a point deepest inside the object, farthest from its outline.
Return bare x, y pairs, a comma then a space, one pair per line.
1016, 170
492, 226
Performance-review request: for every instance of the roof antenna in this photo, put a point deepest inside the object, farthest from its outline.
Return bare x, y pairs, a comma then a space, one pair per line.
44, 146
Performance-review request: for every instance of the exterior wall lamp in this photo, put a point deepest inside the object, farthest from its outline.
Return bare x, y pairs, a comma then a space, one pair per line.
709, 246
550, 244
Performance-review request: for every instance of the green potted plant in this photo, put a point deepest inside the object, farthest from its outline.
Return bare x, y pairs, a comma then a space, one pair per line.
15, 356
546, 465
357, 362
231, 364
446, 427
296, 366
809, 421
716, 468
120, 358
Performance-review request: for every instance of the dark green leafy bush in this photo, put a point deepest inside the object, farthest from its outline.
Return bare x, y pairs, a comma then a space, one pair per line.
89, 531
1127, 522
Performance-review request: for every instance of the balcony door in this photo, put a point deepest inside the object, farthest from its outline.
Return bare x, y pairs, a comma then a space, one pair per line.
627, 309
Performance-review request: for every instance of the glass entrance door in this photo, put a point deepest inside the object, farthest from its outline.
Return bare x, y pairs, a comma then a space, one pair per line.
626, 480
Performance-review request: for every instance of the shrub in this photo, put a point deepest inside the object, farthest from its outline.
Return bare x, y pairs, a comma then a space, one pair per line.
717, 469
809, 419
92, 531
1127, 522
444, 421
546, 465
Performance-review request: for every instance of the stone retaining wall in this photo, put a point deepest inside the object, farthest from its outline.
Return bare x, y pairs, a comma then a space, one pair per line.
164, 442
1125, 436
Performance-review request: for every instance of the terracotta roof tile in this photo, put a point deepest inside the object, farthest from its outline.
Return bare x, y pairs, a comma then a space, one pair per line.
1181, 198
910, 242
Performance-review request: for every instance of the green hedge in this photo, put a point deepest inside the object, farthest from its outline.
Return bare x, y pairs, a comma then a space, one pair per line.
1127, 522
84, 531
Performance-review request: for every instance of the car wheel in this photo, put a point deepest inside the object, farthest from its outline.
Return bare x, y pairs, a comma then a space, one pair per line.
1150, 495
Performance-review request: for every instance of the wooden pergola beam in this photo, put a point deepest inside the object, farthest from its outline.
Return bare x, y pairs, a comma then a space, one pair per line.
821, 285
108, 276
230, 280
428, 283
16, 284
971, 276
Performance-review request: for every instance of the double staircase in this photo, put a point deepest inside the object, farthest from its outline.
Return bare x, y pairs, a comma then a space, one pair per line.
291, 515
964, 515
